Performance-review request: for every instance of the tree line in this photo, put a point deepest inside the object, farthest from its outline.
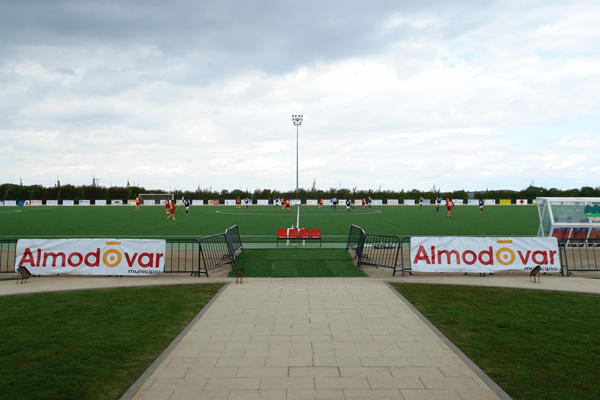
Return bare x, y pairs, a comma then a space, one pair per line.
10, 191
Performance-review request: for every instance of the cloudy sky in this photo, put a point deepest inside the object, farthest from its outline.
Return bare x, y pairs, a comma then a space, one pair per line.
395, 94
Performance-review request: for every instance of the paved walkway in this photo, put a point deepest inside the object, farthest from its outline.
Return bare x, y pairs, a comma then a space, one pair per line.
309, 338
312, 339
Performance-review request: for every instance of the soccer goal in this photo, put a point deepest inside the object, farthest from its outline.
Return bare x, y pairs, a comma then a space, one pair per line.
151, 199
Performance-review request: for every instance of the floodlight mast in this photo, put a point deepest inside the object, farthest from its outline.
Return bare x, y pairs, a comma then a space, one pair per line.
297, 120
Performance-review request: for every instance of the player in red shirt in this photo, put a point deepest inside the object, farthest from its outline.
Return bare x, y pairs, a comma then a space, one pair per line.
287, 205
137, 203
363, 202
171, 210
167, 208
449, 205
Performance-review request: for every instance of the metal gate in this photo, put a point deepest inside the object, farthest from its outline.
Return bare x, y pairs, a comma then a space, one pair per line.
220, 249
8, 255
579, 254
356, 236
381, 251
384, 251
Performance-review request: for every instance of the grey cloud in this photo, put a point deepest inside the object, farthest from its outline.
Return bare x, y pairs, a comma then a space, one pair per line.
273, 36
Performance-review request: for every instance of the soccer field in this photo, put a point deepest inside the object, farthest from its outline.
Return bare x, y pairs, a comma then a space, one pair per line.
259, 224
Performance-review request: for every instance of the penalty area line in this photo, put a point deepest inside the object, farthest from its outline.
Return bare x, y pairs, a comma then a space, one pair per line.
302, 214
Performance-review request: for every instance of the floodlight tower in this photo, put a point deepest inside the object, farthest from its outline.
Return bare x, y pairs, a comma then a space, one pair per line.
297, 120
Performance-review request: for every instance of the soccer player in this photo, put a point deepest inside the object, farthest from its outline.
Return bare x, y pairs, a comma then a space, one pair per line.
171, 210
137, 203
370, 200
480, 206
449, 205
238, 202
438, 201
246, 200
320, 203
282, 200
167, 205
363, 202
420, 202
287, 205
186, 203
348, 204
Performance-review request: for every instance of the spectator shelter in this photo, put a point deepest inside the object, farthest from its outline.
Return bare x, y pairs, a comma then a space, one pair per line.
569, 217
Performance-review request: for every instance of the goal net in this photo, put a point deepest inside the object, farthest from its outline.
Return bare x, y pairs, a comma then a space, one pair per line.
151, 199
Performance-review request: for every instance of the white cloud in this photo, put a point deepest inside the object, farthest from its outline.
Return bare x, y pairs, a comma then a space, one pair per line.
397, 95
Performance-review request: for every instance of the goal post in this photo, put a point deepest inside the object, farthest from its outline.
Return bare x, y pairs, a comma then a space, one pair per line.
151, 199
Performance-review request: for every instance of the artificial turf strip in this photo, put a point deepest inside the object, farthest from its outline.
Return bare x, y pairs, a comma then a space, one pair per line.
259, 224
90, 344
295, 262
534, 344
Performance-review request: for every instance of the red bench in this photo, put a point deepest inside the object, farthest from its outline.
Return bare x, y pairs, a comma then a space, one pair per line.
299, 234
316, 234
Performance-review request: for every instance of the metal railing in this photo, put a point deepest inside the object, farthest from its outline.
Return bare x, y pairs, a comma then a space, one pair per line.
579, 254
356, 236
235, 241
386, 251
191, 256
182, 256
216, 250
381, 251
8, 255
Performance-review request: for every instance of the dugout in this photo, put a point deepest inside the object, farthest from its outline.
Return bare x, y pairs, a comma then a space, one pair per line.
569, 217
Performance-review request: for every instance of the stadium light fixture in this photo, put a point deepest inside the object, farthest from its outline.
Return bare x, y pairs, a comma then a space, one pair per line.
297, 120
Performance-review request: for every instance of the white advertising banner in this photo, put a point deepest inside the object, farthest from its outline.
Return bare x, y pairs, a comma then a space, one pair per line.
51, 202
84, 202
198, 202
133, 257
409, 202
484, 255
392, 202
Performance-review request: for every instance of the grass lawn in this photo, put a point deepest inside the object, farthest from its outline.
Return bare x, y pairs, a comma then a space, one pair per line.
297, 262
535, 345
90, 344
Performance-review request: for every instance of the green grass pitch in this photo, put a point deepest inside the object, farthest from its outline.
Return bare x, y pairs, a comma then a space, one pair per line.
259, 224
